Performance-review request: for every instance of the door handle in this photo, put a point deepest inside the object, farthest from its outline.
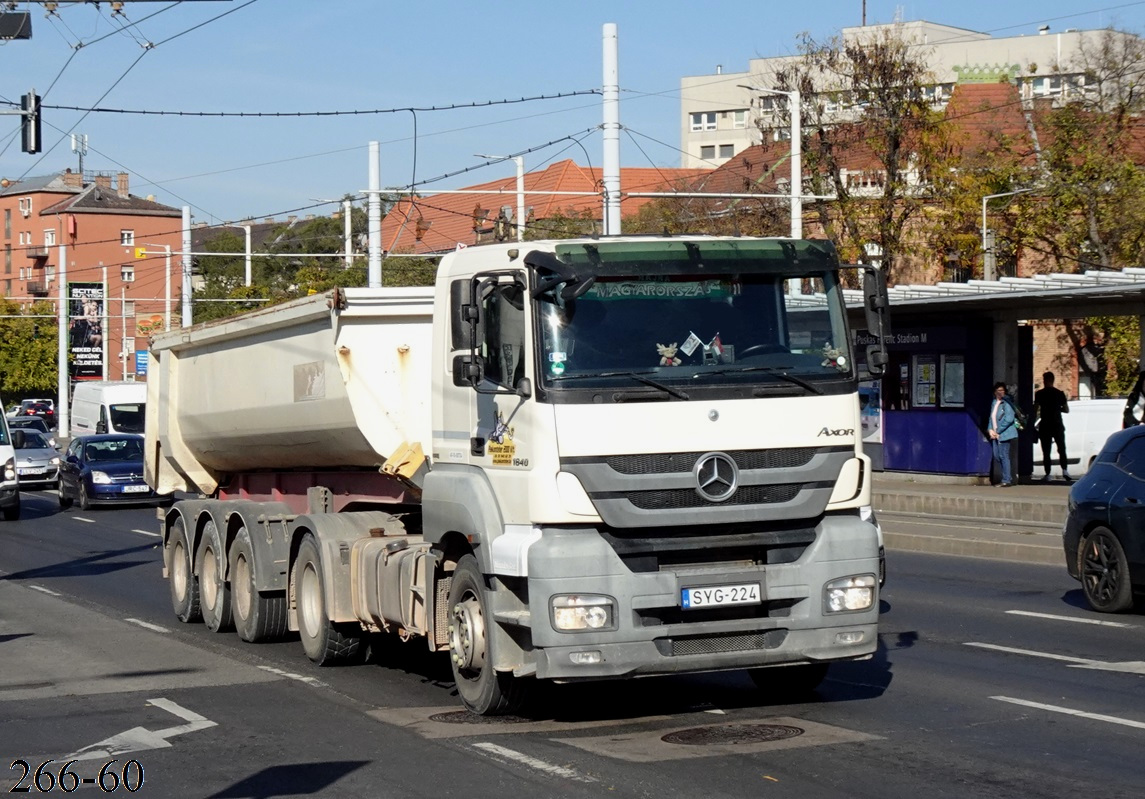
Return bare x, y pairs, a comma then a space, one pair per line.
1132, 500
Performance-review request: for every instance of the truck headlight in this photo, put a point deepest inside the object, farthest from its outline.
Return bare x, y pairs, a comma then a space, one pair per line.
10, 469
849, 594
100, 478
575, 612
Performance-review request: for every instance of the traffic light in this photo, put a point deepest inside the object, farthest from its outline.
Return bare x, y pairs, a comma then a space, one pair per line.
30, 129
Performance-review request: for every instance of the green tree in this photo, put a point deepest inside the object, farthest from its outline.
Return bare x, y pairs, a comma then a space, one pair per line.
880, 81
29, 356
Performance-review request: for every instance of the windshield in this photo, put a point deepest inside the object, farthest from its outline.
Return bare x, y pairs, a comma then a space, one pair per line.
128, 418
34, 440
129, 449
698, 328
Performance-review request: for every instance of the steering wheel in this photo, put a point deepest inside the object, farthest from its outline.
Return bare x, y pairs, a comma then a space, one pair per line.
759, 349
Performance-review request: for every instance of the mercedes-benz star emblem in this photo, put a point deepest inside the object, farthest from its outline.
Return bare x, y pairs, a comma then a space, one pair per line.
716, 476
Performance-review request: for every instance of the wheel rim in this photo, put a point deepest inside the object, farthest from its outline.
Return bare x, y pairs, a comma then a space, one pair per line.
179, 570
240, 586
467, 634
209, 586
1101, 569
310, 601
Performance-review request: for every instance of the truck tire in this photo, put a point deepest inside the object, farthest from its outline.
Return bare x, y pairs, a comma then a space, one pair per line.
257, 616
484, 691
214, 592
180, 579
325, 642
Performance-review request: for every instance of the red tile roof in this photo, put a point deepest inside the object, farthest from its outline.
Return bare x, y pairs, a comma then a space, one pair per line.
447, 220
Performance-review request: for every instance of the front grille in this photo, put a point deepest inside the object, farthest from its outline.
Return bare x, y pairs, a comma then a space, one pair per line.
671, 499
715, 644
676, 462
126, 478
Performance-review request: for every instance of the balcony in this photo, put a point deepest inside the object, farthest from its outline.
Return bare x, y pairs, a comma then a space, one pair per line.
36, 252
39, 288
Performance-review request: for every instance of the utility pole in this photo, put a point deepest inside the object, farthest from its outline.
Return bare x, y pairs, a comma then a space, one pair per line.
63, 383
611, 169
374, 273
188, 318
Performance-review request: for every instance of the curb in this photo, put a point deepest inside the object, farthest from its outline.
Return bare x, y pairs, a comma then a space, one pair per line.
975, 548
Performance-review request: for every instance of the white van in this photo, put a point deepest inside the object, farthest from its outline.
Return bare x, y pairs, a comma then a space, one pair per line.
9, 482
108, 406
1087, 425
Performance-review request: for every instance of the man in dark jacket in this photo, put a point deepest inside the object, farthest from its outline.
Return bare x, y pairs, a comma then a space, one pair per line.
1135, 405
1049, 405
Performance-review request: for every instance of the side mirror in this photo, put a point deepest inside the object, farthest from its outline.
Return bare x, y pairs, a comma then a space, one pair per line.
876, 305
101, 427
524, 388
468, 370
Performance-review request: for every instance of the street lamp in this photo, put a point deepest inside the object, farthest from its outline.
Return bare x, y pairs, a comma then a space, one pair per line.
246, 267
140, 252
988, 261
795, 104
520, 188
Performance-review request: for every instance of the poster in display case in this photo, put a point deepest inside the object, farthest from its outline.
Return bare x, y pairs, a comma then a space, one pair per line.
953, 381
925, 393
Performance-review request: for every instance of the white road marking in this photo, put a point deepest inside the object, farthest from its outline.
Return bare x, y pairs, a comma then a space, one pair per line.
1031, 653
146, 532
292, 676
45, 590
531, 762
1068, 618
1071, 712
1127, 666
83, 519
148, 625
138, 738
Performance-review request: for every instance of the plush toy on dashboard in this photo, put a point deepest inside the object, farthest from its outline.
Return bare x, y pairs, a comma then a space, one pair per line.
833, 356
668, 354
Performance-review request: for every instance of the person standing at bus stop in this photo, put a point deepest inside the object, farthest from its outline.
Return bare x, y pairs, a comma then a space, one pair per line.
1002, 429
1049, 405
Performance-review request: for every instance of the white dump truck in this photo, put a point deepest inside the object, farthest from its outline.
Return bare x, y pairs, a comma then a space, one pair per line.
569, 460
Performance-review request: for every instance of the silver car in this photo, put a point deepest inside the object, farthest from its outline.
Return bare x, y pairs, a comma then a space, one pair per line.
37, 462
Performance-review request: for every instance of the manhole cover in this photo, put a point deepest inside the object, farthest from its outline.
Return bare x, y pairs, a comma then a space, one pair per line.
732, 734
465, 717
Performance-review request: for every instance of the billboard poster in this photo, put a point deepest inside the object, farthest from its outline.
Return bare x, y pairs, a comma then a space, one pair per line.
85, 330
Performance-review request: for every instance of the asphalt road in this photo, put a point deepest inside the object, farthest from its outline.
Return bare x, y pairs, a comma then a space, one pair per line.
992, 680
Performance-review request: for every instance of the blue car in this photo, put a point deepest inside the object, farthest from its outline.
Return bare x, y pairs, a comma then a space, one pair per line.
104, 469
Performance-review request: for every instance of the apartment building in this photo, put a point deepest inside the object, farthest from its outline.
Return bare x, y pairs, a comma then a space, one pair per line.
724, 113
95, 223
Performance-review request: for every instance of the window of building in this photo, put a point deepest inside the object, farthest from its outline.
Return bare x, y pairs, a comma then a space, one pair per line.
128, 308
127, 238
23, 273
704, 121
739, 118
49, 273
727, 150
708, 152
25, 238
26, 206
7, 223
8, 288
49, 238
7, 259
127, 274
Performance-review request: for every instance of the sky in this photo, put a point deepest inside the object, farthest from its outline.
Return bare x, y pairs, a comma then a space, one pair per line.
283, 57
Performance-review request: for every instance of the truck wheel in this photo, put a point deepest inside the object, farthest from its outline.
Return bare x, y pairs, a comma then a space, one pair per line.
783, 681
484, 691
325, 643
184, 586
257, 617
214, 593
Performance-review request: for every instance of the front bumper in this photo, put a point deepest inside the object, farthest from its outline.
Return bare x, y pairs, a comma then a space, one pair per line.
43, 478
654, 635
114, 494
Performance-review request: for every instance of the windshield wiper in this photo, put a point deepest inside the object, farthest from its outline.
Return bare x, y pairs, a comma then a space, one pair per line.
768, 370
637, 376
